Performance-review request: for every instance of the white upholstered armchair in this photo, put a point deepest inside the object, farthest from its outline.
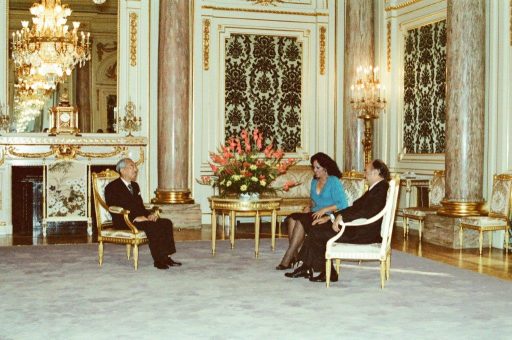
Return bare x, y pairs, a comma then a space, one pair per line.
367, 252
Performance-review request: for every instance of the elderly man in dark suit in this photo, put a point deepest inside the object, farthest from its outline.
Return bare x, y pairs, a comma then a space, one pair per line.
370, 204
125, 192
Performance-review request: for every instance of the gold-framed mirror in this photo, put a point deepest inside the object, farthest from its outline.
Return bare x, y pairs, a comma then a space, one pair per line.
92, 88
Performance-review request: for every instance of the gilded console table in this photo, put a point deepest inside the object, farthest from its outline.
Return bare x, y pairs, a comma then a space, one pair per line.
244, 208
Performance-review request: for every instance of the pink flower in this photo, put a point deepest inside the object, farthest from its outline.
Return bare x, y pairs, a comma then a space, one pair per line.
214, 168
268, 151
279, 154
238, 147
289, 184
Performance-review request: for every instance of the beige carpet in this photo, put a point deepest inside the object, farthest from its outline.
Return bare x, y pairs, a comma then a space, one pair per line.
58, 292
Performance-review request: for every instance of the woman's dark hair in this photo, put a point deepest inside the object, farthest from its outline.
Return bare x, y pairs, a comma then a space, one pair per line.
382, 168
327, 163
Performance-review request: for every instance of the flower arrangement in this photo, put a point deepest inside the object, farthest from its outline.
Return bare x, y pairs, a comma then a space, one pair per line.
244, 165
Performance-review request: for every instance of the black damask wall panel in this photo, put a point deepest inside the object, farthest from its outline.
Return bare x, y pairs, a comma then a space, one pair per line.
424, 89
264, 87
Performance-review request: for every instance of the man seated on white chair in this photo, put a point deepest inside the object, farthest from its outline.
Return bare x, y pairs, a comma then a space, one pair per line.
124, 192
312, 253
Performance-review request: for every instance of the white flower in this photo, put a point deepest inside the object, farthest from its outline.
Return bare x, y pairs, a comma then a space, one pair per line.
243, 188
263, 183
235, 177
253, 167
228, 184
254, 179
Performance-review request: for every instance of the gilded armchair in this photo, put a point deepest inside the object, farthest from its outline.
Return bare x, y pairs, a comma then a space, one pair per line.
107, 232
435, 195
499, 208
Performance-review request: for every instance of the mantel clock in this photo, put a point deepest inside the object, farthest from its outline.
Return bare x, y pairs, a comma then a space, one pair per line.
64, 118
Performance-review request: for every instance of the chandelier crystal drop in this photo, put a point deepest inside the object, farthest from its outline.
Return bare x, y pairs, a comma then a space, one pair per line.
49, 50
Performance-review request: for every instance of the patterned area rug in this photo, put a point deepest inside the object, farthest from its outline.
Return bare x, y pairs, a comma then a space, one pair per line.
59, 292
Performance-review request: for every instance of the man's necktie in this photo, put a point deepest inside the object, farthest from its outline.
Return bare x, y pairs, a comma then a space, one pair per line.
130, 188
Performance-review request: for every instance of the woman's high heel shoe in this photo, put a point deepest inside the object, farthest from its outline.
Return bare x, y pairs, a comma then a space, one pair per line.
283, 267
292, 264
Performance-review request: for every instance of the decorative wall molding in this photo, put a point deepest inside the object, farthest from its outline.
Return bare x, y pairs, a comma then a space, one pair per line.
206, 44
266, 2
65, 152
388, 47
255, 10
323, 31
401, 5
133, 38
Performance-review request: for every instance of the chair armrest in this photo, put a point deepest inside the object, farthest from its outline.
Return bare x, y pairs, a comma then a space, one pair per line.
355, 223
126, 215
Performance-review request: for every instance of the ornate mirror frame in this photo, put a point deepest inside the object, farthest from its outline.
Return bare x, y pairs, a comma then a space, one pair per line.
133, 60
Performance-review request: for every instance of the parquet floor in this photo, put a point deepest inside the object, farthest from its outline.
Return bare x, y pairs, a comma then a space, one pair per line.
494, 262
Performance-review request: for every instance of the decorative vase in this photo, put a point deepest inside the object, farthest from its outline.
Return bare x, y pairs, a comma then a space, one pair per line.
249, 196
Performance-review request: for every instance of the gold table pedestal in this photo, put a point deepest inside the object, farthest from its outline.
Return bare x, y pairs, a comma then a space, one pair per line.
234, 207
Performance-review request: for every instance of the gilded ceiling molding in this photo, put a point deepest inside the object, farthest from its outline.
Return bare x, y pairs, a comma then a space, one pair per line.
133, 39
388, 49
264, 11
266, 2
322, 49
401, 5
206, 44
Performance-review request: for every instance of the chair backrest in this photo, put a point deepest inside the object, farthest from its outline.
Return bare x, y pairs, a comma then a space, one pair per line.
499, 205
300, 174
99, 182
437, 189
354, 185
388, 220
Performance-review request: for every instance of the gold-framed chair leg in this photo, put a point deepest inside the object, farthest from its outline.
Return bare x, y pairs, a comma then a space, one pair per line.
382, 273
327, 272
338, 261
100, 253
135, 256
128, 250
480, 241
406, 226
490, 240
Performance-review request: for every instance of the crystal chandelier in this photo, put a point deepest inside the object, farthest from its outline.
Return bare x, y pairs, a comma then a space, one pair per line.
48, 51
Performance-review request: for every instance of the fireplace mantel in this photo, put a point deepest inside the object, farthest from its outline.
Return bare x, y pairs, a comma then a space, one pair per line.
43, 150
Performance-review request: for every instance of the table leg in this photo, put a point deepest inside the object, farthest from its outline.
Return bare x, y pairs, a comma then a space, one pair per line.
257, 234
232, 232
214, 230
273, 229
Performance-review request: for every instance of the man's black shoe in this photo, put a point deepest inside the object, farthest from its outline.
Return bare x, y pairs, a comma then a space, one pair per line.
173, 263
160, 265
302, 271
321, 277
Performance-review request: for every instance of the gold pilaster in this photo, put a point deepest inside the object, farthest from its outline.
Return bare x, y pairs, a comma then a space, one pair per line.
460, 209
172, 197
